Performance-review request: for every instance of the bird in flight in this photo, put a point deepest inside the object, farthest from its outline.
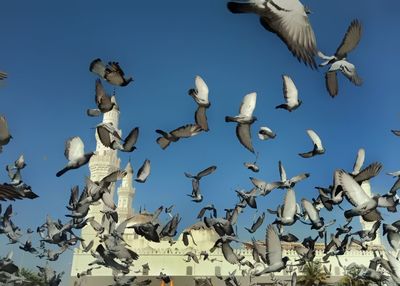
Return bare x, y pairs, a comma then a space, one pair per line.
244, 120
338, 62
112, 72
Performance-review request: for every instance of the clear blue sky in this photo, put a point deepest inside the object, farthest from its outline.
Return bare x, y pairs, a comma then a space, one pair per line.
46, 49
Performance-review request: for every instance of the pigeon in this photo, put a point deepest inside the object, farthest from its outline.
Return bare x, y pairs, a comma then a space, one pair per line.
244, 120
104, 102
111, 73
264, 187
285, 183
287, 214
207, 208
184, 131
396, 132
265, 133
74, 152
5, 135
364, 205
275, 261
318, 148
207, 171
106, 132
252, 165
3, 75
289, 21
290, 94
256, 224
200, 95
128, 143
143, 172
392, 232
338, 62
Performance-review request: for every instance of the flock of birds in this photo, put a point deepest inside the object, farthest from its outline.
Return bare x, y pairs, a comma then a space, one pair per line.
289, 20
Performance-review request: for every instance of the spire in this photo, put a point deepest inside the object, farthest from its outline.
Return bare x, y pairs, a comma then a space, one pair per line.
126, 194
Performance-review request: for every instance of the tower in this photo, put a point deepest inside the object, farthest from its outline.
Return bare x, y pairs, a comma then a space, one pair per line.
101, 164
126, 194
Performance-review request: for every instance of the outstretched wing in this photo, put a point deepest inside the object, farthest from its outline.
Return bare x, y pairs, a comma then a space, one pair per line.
74, 148
350, 40
288, 19
244, 136
331, 83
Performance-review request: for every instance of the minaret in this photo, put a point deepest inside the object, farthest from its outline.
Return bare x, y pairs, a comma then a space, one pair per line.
101, 164
126, 194
366, 186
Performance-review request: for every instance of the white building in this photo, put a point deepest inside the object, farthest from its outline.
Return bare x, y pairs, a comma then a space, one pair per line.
170, 259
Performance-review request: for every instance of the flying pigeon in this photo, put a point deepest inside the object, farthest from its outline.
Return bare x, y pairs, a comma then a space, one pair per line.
3, 75
338, 62
290, 94
265, 133
318, 148
200, 95
111, 73
104, 102
5, 135
128, 143
143, 172
244, 120
184, 131
74, 152
275, 261
256, 224
289, 21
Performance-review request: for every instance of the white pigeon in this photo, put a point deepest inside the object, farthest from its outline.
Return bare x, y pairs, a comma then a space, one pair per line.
288, 19
265, 133
200, 95
290, 94
318, 148
143, 172
75, 154
339, 61
244, 120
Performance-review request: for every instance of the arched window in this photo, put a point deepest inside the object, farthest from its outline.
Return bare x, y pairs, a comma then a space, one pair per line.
189, 270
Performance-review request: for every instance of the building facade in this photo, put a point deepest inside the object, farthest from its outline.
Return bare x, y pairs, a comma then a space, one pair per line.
169, 259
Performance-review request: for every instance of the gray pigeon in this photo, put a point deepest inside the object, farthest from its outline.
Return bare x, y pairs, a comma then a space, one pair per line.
244, 120
111, 73
200, 95
143, 172
338, 62
184, 131
104, 102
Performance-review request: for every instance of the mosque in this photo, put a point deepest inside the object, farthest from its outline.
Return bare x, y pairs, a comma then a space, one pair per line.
169, 259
